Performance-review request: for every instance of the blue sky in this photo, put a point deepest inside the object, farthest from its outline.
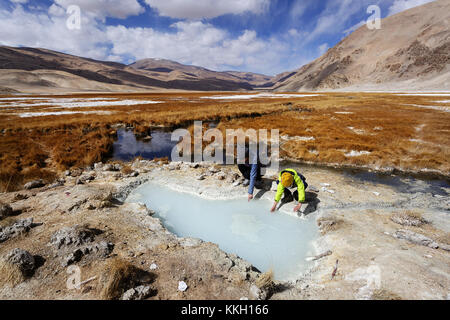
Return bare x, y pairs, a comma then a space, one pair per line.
265, 36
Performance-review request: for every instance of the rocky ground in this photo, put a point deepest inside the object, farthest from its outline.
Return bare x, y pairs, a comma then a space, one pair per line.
80, 239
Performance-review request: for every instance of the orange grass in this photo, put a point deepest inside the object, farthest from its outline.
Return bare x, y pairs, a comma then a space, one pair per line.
396, 134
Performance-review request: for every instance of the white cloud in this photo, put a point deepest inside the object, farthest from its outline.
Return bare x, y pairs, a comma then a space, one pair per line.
21, 28
334, 17
188, 42
402, 5
198, 9
198, 43
323, 48
104, 8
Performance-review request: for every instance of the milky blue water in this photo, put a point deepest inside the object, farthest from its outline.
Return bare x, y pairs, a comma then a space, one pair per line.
267, 240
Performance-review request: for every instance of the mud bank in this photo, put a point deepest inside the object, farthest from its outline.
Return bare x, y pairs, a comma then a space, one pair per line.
380, 256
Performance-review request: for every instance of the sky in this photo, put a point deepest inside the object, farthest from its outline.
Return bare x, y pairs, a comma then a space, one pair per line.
262, 36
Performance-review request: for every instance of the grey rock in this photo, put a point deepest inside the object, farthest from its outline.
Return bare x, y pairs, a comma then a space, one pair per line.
443, 246
100, 250
72, 236
190, 242
34, 184
74, 257
221, 176
108, 167
213, 169
117, 167
56, 184
138, 293
98, 166
5, 210
415, 238
201, 177
20, 227
174, 166
23, 259
407, 220
85, 178
256, 293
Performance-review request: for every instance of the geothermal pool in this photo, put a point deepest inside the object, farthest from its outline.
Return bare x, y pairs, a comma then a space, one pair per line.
267, 240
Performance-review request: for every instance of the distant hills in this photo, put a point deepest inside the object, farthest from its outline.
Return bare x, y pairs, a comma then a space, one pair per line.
44, 71
411, 51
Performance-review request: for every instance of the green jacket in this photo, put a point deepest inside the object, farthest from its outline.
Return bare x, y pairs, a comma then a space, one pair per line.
297, 181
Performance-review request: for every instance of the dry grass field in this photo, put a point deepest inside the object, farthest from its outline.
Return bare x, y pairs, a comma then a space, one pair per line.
42, 135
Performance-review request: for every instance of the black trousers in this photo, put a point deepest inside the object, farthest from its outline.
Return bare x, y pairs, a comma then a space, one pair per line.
246, 170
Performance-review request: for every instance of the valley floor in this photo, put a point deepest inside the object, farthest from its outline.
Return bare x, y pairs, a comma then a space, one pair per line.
41, 136
389, 244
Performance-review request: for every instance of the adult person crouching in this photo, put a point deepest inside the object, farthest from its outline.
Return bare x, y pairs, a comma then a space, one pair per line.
289, 178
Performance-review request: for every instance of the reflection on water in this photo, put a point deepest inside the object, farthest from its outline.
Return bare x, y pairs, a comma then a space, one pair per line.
127, 147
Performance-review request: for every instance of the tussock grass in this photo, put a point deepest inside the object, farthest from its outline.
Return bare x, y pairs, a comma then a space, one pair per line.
121, 276
265, 280
10, 274
383, 294
410, 138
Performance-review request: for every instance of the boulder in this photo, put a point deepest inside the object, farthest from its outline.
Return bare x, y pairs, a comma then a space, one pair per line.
138, 293
98, 166
100, 250
221, 176
108, 167
72, 236
5, 210
16, 229
415, 238
34, 184
201, 177
85, 178
22, 259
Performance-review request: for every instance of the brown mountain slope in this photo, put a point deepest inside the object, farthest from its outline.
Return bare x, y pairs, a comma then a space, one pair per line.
411, 51
167, 70
44, 71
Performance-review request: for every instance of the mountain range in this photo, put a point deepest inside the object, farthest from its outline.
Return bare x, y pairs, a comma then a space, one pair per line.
411, 51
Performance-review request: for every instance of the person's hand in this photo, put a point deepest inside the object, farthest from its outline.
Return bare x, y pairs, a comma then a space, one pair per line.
273, 207
250, 197
297, 207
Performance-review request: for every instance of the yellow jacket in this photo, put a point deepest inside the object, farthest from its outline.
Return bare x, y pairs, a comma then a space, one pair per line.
297, 180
